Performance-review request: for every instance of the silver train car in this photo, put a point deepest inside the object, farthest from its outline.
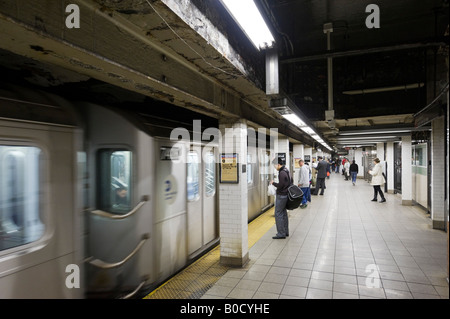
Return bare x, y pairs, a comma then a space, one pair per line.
98, 202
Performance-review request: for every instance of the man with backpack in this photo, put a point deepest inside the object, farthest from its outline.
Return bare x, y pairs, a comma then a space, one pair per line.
284, 181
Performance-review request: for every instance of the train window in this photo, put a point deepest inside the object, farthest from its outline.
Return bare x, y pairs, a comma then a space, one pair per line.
419, 155
210, 174
115, 181
193, 176
20, 195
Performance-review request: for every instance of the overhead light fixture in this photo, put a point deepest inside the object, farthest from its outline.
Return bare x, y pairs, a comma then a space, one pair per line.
282, 107
250, 20
294, 119
308, 130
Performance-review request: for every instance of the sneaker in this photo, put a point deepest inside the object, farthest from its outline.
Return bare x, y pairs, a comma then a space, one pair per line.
353, 184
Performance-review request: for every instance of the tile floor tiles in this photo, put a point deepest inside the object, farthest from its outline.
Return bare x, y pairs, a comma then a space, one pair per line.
334, 241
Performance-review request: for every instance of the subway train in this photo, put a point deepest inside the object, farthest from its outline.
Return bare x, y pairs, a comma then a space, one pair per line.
99, 202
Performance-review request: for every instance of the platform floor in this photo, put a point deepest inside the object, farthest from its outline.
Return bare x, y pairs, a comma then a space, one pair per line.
193, 281
341, 246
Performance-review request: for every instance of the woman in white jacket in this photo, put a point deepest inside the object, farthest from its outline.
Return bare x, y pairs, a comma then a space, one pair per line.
377, 180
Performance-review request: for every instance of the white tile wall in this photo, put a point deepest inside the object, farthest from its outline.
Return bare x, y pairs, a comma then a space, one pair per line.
438, 168
233, 199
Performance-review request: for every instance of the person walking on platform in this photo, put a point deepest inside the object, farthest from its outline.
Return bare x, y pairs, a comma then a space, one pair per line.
347, 169
284, 181
354, 171
303, 182
338, 163
321, 175
377, 180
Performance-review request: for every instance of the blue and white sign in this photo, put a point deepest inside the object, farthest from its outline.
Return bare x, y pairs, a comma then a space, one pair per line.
170, 189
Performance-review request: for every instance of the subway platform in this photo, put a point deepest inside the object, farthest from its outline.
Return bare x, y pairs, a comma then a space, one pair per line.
342, 246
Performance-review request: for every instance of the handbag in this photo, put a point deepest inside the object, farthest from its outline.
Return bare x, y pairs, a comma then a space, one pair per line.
271, 190
295, 195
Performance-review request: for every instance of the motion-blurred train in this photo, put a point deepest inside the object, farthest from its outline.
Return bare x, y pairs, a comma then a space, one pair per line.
94, 203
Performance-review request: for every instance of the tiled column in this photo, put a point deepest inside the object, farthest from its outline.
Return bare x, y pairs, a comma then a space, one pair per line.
359, 161
308, 151
437, 173
406, 171
233, 199
283, 147
380, 151
390, 167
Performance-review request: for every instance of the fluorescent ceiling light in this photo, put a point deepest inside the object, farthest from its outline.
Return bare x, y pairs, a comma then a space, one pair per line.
248, 17
308, 130
294, 119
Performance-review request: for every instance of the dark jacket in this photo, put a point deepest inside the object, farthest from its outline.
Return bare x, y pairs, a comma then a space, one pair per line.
284, 182
322, 169
354, 168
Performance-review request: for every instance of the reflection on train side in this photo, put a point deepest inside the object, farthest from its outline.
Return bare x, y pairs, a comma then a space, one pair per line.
20, 221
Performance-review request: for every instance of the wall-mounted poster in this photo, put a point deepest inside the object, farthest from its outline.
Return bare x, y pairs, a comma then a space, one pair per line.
229, 168
307, 158
297, 162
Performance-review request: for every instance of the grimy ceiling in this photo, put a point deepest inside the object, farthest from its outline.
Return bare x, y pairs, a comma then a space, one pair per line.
160, 55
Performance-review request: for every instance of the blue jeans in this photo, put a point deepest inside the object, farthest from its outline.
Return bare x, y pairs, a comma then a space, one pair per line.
306, 194
354, 174
281, 217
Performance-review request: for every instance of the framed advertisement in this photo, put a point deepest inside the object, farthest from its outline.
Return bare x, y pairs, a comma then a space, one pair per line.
229, 168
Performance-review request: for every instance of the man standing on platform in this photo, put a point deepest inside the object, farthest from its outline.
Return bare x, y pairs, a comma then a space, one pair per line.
284, 181
321, 175
303, 182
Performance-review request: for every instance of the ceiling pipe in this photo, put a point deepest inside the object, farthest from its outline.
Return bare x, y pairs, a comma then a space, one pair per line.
341, 54
329, 114
385, 89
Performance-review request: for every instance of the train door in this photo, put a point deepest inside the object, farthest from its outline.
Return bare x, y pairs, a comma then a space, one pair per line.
201, 198
194, 199
170, 208
209, 195
120, 215
264, 177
